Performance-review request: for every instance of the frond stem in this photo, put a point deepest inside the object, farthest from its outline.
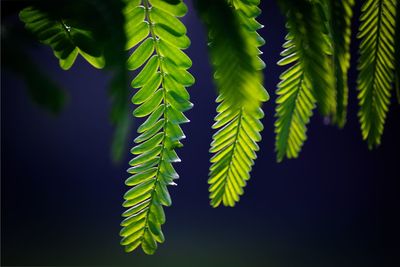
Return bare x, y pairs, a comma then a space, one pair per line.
153, 35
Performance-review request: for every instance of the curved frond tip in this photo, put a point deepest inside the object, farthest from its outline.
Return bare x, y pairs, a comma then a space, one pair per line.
235, 146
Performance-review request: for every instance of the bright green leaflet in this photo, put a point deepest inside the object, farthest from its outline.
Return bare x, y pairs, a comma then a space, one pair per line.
376, 66
162, 98
65, 37
308, 76
238, 76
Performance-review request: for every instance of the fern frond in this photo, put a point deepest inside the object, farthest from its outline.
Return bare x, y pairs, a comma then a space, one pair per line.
315, 47
159, 36
397, 54
376, 66
233, 46
66, 38
339, 17
307, 80
235, 146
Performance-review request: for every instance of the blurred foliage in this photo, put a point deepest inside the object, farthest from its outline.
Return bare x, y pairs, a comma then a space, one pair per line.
41, 88
93, 29
67, 38
338, 15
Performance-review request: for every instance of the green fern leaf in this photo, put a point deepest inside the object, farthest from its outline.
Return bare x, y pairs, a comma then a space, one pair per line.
162, 98
65, 37
339, 23
317, 48
397, 54
376, 65
306, 81
234, 53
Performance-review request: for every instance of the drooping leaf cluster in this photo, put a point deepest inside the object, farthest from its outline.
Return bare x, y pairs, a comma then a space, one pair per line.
43, 91
317, 50
158, 37
397, 54
308, 79
339, 14
233, 45
376, 66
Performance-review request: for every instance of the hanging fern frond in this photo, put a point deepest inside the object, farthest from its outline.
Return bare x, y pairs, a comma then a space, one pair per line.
308, 18
397, 54
66, 37
339, 15
233, 46
158, 37
376, 66
308, 76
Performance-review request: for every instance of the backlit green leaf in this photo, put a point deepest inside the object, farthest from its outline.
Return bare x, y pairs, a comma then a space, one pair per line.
238, 77
141, 54
157, 39
377, 48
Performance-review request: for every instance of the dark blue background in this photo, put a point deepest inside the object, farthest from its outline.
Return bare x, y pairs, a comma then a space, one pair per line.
337, 205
